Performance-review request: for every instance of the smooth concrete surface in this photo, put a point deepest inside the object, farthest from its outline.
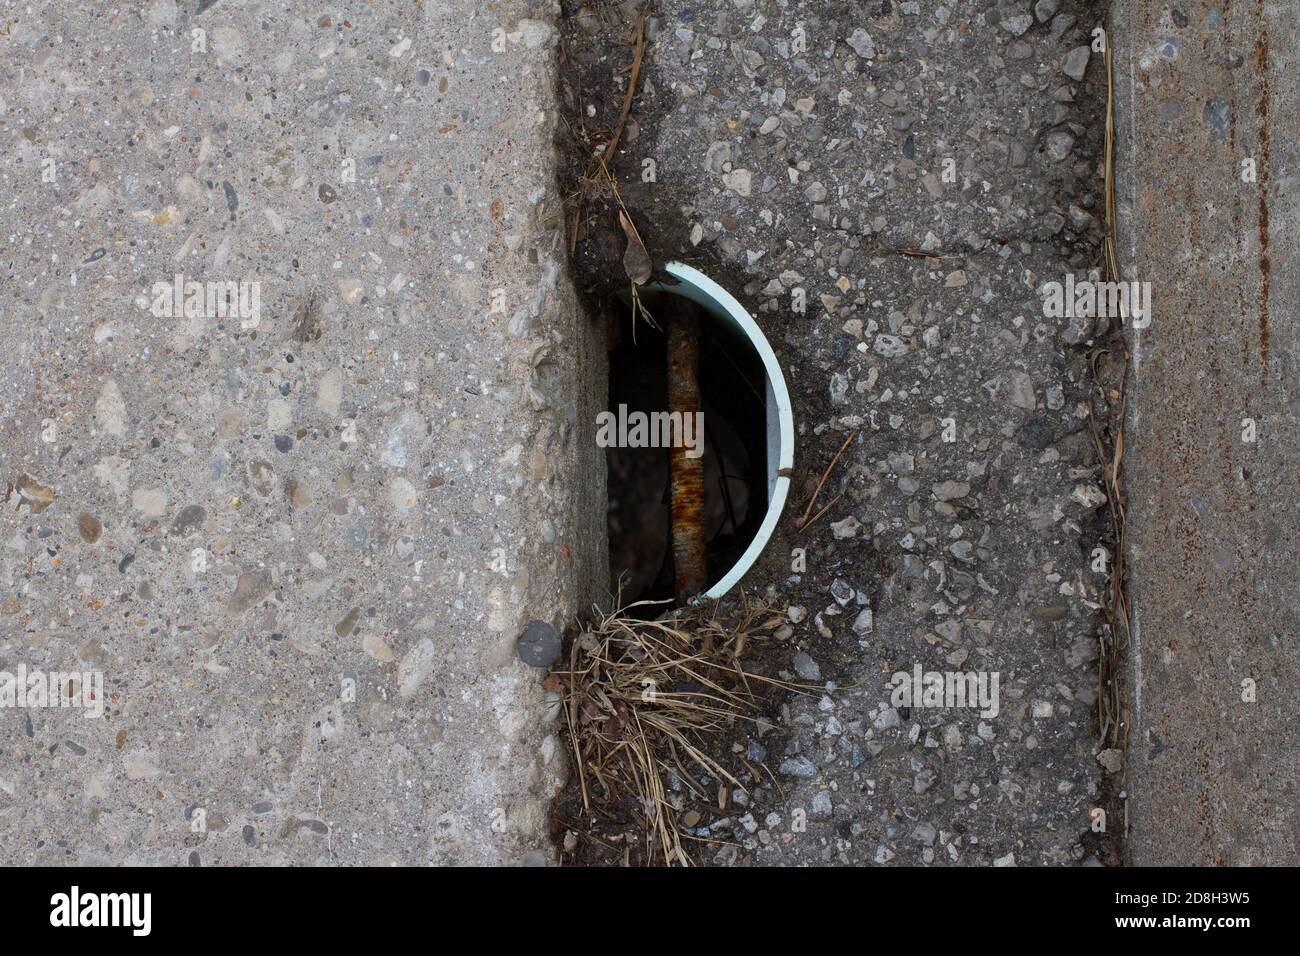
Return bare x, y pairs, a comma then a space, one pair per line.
1210, 172
299, 543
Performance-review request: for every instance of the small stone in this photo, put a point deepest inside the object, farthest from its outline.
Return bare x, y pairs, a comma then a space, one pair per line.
842, 591
886, 718
1080, 219
539, 645
279, 415
798, 767
889, 346
536, 33
806, 667
138, 768
951, 490
839, 389
1111, 760
1060, 24
1018, 389
952, 738
862, 44
1076, 63
717, 156
150, 502
403, 495
797, 614
344, 626
1044, 10
1018, 25
415, 667
189, 518
1089, 495
250, 588
845, 528
1058, 144
90, 527
110, 409
375, 647
864, 622
329, 392
739, 181
1078, 329
923, 781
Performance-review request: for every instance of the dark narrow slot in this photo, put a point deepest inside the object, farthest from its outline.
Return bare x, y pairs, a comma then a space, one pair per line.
734, 447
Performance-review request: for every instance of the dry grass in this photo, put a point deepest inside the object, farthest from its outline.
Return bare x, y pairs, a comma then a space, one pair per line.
804, 519
597, 180
1109, 441
597, 174
647, 701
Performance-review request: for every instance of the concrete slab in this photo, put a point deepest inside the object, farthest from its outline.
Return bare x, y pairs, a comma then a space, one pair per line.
1208, 161
297, 541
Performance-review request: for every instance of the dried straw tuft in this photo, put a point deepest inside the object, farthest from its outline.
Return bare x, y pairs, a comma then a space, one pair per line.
647, 701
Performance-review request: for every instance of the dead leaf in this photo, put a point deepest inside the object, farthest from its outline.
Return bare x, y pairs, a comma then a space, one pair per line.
636, 261
36, 496
554, 683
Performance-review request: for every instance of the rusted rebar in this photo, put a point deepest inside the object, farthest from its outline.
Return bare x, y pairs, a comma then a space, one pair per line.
686, 465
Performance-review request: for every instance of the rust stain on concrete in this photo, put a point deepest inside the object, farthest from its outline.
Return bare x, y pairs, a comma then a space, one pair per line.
1265, 266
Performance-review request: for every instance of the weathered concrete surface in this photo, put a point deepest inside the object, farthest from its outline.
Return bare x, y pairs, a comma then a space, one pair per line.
800, 153
298, 548
1212, 778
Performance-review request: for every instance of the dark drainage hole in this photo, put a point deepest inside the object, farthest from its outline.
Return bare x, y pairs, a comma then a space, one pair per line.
732, 393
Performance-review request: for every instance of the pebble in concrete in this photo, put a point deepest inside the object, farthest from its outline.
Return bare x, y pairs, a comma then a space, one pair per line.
539, 645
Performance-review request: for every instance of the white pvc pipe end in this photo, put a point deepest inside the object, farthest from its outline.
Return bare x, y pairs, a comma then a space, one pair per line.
702, 290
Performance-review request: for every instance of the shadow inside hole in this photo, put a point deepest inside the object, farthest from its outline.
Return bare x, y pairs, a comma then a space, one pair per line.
732, 390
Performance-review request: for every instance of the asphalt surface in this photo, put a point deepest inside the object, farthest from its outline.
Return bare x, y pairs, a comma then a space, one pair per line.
886, 187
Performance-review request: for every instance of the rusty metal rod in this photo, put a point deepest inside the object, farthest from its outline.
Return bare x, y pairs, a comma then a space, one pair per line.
687, 473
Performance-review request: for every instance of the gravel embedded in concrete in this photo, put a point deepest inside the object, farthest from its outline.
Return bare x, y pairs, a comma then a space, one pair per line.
299, 541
